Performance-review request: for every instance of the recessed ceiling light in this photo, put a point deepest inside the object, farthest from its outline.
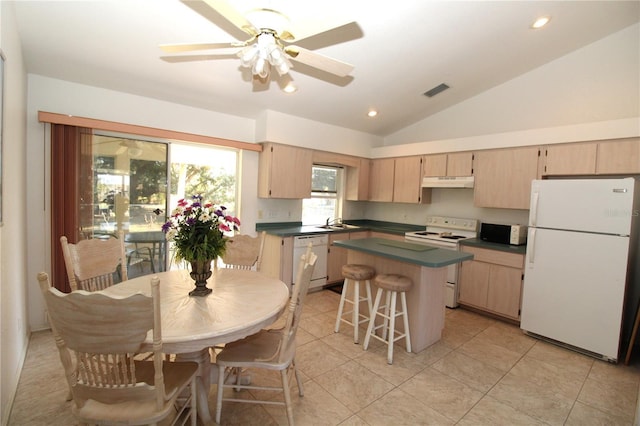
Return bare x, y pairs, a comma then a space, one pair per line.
540, 22
290, 88
372, 113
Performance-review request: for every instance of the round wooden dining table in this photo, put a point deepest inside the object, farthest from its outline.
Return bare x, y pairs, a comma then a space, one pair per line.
241, 304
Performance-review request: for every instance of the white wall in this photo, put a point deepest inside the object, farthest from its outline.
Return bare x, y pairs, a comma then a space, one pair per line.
283, 128
16, 215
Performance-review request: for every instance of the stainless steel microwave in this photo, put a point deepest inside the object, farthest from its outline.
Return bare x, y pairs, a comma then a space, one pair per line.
503, 234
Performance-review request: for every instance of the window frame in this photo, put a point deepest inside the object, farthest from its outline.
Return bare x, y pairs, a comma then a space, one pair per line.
337, 195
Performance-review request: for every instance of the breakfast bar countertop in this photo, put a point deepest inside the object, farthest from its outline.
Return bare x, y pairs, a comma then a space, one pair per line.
419, 254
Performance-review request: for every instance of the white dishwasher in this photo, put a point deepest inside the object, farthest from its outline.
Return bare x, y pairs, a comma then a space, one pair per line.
319, 244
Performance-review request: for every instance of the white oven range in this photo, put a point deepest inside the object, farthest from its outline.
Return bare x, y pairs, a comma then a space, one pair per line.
446, 232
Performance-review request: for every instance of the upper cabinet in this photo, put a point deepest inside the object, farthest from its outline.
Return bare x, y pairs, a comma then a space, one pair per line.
381, 176
398, 180
460, 164
285, 171
407, 181
570, 159
610, 157
454, 164
434, 165
503, 177
357, 187
618, 157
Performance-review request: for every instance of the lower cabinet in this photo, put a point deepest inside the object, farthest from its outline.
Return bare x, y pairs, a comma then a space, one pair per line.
492, 281
277, 258
377, 234
338, 256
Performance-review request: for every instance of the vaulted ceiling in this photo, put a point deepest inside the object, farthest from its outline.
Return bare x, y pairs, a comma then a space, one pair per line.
399, 50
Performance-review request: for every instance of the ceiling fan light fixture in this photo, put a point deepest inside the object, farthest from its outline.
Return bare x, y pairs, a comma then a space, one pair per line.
248, 56
263, 55
261, 67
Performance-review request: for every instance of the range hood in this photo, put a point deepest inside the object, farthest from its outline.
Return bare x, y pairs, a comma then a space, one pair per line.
448, 182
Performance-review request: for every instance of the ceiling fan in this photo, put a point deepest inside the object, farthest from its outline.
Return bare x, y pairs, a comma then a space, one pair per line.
269, 43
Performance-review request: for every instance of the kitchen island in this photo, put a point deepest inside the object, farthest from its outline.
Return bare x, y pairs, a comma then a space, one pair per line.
425, 265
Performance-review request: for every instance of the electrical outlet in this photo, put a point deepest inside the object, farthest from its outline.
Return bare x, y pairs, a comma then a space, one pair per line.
273, 214
260, 214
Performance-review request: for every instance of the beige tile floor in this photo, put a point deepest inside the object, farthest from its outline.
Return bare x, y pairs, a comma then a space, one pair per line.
482, 372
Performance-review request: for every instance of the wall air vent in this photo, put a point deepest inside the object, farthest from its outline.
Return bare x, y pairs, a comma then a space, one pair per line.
439, 88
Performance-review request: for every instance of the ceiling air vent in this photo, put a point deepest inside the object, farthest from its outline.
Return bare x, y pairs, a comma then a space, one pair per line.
439, 88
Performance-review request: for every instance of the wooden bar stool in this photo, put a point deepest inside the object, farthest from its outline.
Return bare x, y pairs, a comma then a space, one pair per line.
392, 284
356, 275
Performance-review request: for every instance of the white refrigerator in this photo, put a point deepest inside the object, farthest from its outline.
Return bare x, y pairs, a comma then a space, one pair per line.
580, 277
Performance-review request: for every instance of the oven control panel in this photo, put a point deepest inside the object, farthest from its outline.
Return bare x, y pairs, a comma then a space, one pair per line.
453, 223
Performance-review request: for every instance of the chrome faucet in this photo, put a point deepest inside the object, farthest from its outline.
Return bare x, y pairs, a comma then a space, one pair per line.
334, 221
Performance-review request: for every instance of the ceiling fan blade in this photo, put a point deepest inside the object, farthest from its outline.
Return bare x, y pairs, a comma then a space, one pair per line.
319, 61
199, 57
188, 47
313, 29
232, 15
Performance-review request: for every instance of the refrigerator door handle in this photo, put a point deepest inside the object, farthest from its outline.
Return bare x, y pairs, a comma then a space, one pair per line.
531, 245
534, 209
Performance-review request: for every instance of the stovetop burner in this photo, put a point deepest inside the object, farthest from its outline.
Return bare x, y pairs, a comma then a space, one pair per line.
446, 229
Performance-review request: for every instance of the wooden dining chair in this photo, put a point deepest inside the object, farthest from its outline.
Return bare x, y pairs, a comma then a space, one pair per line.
97, 337
244, 252
271, 349
91, 264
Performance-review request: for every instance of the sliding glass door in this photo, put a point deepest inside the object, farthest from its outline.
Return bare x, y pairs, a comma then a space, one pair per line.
129, 195
104, 184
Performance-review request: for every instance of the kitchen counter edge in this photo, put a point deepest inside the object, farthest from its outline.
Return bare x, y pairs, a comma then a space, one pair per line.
293, 229
477, 242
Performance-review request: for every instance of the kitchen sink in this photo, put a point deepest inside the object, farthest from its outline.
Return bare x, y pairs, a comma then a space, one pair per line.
339, 226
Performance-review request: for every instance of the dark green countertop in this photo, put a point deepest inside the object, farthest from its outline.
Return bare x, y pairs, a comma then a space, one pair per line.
419, 254
477, 242
292, 229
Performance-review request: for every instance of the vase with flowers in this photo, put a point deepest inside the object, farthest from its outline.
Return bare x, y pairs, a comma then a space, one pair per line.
197, 229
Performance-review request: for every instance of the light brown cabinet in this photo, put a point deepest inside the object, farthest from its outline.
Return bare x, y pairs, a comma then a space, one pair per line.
407, 180
492, 281
460, 164
618, 157
434, 165
357, 185
398, 180
503, 177
453, 164
381, 179
377, 234
570, 159
336, 257
277, 258
284, 171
